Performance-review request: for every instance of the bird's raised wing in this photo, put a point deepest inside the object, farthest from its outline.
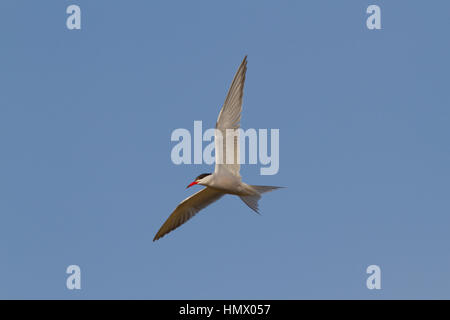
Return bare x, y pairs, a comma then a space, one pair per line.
229, 118
188, 208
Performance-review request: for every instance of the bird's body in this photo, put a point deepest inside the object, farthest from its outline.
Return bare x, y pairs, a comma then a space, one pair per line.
227, 183
226, 178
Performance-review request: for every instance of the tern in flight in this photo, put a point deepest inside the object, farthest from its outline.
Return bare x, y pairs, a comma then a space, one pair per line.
226, 178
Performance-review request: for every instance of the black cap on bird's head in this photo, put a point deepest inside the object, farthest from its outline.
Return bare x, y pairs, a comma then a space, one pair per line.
200, 177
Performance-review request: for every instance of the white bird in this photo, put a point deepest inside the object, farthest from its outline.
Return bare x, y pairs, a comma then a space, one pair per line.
226, 178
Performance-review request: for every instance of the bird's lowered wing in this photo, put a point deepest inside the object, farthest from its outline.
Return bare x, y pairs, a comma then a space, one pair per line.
188, 208
229, 118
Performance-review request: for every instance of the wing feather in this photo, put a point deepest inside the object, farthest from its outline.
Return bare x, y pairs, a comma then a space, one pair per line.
229, 118
187, 209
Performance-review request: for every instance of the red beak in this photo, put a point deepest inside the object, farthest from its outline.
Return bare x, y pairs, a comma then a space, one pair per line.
192, 183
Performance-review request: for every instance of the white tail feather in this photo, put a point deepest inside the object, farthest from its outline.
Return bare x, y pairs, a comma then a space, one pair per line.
252, 200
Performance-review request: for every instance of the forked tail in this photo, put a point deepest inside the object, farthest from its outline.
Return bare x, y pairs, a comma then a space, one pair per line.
252, 200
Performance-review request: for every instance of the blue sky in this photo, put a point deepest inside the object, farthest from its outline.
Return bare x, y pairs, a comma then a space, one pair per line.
85, 170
